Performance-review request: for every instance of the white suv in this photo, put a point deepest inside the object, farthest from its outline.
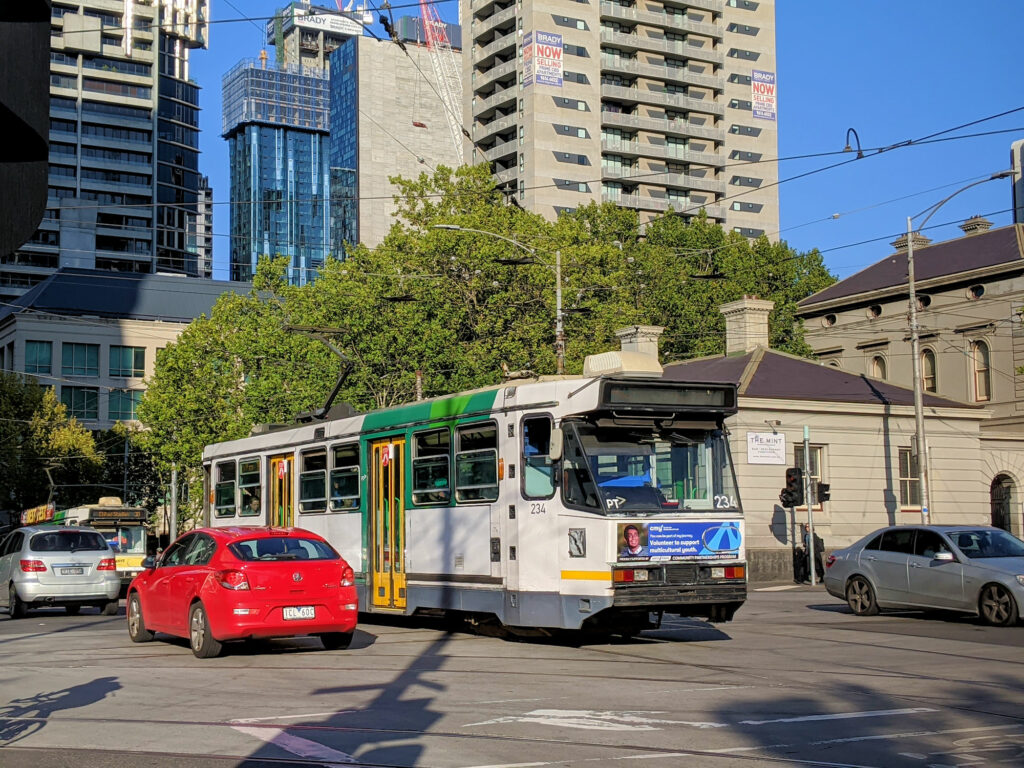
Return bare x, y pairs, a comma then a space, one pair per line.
50, 565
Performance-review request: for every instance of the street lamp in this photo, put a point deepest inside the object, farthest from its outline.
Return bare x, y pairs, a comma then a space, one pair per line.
559, 326
922, 449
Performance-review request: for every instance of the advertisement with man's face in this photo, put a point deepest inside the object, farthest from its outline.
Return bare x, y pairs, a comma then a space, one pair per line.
698, 540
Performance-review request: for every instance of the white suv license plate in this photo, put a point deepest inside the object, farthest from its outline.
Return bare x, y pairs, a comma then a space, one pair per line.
71, 571
299, 612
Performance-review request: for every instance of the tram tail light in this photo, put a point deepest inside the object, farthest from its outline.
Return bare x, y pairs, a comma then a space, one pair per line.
623, 575
235, 580
348, 577
501, 469
735, 571
33, 566
107, 564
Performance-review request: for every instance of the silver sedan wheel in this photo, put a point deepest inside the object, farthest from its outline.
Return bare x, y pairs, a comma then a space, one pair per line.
861, 597
997, 606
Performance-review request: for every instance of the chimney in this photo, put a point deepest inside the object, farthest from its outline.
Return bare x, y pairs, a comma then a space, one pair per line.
642, 339
900, 243
975, 225
746, 324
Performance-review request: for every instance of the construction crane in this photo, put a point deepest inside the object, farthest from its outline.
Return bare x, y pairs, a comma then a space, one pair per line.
446, 71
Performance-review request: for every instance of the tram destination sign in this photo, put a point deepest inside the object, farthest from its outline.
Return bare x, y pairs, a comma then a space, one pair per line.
618, 394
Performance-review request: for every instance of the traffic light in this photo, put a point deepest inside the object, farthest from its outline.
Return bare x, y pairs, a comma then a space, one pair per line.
822, 493
793, 494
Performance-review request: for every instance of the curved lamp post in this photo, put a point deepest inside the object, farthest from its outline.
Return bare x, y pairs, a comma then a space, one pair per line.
557, 269
915, 344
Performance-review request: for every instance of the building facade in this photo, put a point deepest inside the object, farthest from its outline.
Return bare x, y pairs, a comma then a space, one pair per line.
970, 296
275, 119
386, 120
656, 106
305, 35
124, 142
93, 336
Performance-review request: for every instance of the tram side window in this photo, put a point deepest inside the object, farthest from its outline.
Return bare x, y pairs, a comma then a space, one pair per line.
345, 477
313, 481
249, 486
578, 488
538, 468
431, 469
224, 492
476, 462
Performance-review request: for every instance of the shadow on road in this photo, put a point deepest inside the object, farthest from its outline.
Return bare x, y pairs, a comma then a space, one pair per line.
25, 716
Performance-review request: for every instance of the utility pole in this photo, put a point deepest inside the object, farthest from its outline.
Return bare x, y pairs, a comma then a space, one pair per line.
172, 532
812, 563
915, 353
559, 325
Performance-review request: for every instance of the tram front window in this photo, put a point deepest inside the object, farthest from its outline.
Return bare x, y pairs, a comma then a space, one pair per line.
637, 469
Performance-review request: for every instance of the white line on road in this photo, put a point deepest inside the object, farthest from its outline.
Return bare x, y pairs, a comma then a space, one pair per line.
299, 746
779, 588
842, 716
289, 717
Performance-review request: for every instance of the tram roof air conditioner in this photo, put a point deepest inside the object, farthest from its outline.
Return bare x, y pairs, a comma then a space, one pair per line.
624, 363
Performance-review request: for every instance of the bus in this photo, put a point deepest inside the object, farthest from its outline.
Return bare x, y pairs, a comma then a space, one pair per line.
122, 525
598, 502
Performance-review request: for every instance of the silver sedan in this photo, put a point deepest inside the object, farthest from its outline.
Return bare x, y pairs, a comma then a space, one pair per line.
968, 568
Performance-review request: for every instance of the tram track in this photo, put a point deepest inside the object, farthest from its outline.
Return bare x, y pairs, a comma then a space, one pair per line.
634, 752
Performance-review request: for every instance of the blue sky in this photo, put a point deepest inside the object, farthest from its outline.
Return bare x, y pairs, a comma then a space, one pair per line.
893, 71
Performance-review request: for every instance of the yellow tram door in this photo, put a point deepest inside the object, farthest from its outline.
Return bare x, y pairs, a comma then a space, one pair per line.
282, 506
387, 534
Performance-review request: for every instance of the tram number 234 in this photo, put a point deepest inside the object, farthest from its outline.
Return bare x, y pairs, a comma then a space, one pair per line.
538, 508
724, 502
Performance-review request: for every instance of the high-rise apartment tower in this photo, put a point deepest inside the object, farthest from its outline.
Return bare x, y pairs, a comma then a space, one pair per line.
656, 105
124, 142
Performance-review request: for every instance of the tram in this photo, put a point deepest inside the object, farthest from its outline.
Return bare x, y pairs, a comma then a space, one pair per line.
596, 502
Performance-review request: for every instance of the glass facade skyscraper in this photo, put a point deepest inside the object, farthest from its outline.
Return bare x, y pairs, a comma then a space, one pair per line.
124, 142
275, 119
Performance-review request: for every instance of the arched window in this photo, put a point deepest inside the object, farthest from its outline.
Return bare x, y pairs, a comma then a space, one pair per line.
982, 373
929, 373
878, 367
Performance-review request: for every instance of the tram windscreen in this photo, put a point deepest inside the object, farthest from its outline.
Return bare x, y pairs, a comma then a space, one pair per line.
639, 469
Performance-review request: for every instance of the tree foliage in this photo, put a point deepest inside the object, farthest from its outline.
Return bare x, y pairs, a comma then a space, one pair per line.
442, 309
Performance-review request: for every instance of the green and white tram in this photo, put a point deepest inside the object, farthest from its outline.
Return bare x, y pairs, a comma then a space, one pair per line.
576, 502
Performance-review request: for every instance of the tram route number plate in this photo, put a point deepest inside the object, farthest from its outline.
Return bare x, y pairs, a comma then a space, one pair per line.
71, 571
299, 612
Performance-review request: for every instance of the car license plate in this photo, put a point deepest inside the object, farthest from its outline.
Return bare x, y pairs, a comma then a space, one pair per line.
71, 571
300, 612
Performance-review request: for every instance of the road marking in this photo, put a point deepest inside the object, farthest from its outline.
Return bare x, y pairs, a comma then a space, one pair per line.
674, 691
910, 734
781, 588
299, 746
289, 717
842, 716
594, 720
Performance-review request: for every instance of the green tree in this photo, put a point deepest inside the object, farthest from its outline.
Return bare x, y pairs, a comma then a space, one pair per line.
23, 484
65, 451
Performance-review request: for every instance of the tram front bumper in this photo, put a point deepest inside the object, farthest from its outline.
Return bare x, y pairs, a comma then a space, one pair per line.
661, 595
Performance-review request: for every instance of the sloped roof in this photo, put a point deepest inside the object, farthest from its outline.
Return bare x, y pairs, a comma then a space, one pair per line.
76, 292
962, 254
777, 375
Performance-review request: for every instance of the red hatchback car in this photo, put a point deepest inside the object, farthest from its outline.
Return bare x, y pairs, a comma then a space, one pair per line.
218, 584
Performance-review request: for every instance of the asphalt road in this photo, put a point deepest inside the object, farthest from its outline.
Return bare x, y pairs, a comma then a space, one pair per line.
795, 680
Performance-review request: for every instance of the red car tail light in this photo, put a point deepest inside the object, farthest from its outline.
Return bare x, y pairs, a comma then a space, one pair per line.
107, 564
348, 577
232, 580
831, 559
33, 566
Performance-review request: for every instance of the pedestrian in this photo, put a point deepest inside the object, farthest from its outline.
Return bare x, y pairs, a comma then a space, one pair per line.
819, 553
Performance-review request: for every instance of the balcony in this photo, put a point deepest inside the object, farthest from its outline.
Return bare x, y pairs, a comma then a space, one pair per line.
481, 28
499, 125
661, 204
635, 42
483, 55
482, 79
670, 21
662, 152
662, 125
662, 99
501, 150
483, 107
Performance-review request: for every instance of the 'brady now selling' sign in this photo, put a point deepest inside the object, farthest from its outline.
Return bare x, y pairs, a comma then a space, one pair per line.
542, 58
763, 94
